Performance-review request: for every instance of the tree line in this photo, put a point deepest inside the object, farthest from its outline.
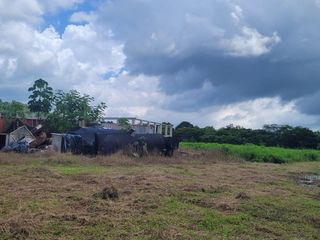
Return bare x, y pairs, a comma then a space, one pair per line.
270, 135
61, 111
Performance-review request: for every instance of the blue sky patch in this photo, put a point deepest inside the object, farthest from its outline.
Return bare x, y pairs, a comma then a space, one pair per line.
61, 19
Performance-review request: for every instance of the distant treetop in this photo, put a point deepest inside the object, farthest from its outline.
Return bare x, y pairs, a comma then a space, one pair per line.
184, 124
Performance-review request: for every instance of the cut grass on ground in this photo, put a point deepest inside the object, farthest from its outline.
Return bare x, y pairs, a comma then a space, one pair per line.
256, 153
196, 194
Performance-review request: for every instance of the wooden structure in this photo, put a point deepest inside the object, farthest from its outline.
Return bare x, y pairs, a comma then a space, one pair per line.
2, 123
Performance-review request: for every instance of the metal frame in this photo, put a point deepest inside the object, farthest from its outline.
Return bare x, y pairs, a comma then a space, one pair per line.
160, 128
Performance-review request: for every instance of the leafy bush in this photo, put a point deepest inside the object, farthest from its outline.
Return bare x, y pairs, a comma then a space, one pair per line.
250, 156
273, 159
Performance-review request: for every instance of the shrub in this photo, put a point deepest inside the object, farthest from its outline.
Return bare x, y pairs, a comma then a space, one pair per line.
273, 159
250, 156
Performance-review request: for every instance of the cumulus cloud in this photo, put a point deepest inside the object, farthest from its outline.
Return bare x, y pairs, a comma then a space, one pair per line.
237, 14
8, 66
24, 10
31, 11
241, 50
139, 96
27, 54
127, 95
255, 113
82, 17
251, 43
234, 61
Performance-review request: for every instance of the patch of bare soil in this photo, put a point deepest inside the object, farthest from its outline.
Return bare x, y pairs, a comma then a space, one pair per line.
40, 172
242, 196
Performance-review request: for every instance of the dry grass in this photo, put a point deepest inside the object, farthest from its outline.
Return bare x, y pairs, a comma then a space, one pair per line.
194, 195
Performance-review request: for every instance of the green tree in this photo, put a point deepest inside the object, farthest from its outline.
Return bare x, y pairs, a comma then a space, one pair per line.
189, 134
13, 109
40, 99
123, 123
70, 107
184, 124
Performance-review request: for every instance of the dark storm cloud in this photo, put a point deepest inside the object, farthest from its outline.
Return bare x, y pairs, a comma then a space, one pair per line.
310, 103
217, 51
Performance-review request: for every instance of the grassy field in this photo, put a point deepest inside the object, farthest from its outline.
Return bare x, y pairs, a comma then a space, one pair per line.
197, 194
256, 153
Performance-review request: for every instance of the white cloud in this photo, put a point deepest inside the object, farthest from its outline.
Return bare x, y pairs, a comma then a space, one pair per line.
94, 48
28, 11
237, 14
256, 113
31, 11
81, 54
7, 67
247, 42
251, 43
126, 95
79, 33
80, 17
251, 114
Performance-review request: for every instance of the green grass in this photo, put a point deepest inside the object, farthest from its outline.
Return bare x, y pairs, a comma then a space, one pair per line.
80, 169
294, 217
191, 219
256, 153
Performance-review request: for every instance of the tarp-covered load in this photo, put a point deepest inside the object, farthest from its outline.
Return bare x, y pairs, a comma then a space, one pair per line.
95, 140
19, 146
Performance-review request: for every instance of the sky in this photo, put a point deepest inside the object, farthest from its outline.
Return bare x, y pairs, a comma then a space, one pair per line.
209, 62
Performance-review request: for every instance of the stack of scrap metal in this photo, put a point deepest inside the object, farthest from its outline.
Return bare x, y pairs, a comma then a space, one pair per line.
23, 138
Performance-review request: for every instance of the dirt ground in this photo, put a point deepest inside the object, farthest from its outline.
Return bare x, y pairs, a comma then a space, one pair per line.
194, 195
